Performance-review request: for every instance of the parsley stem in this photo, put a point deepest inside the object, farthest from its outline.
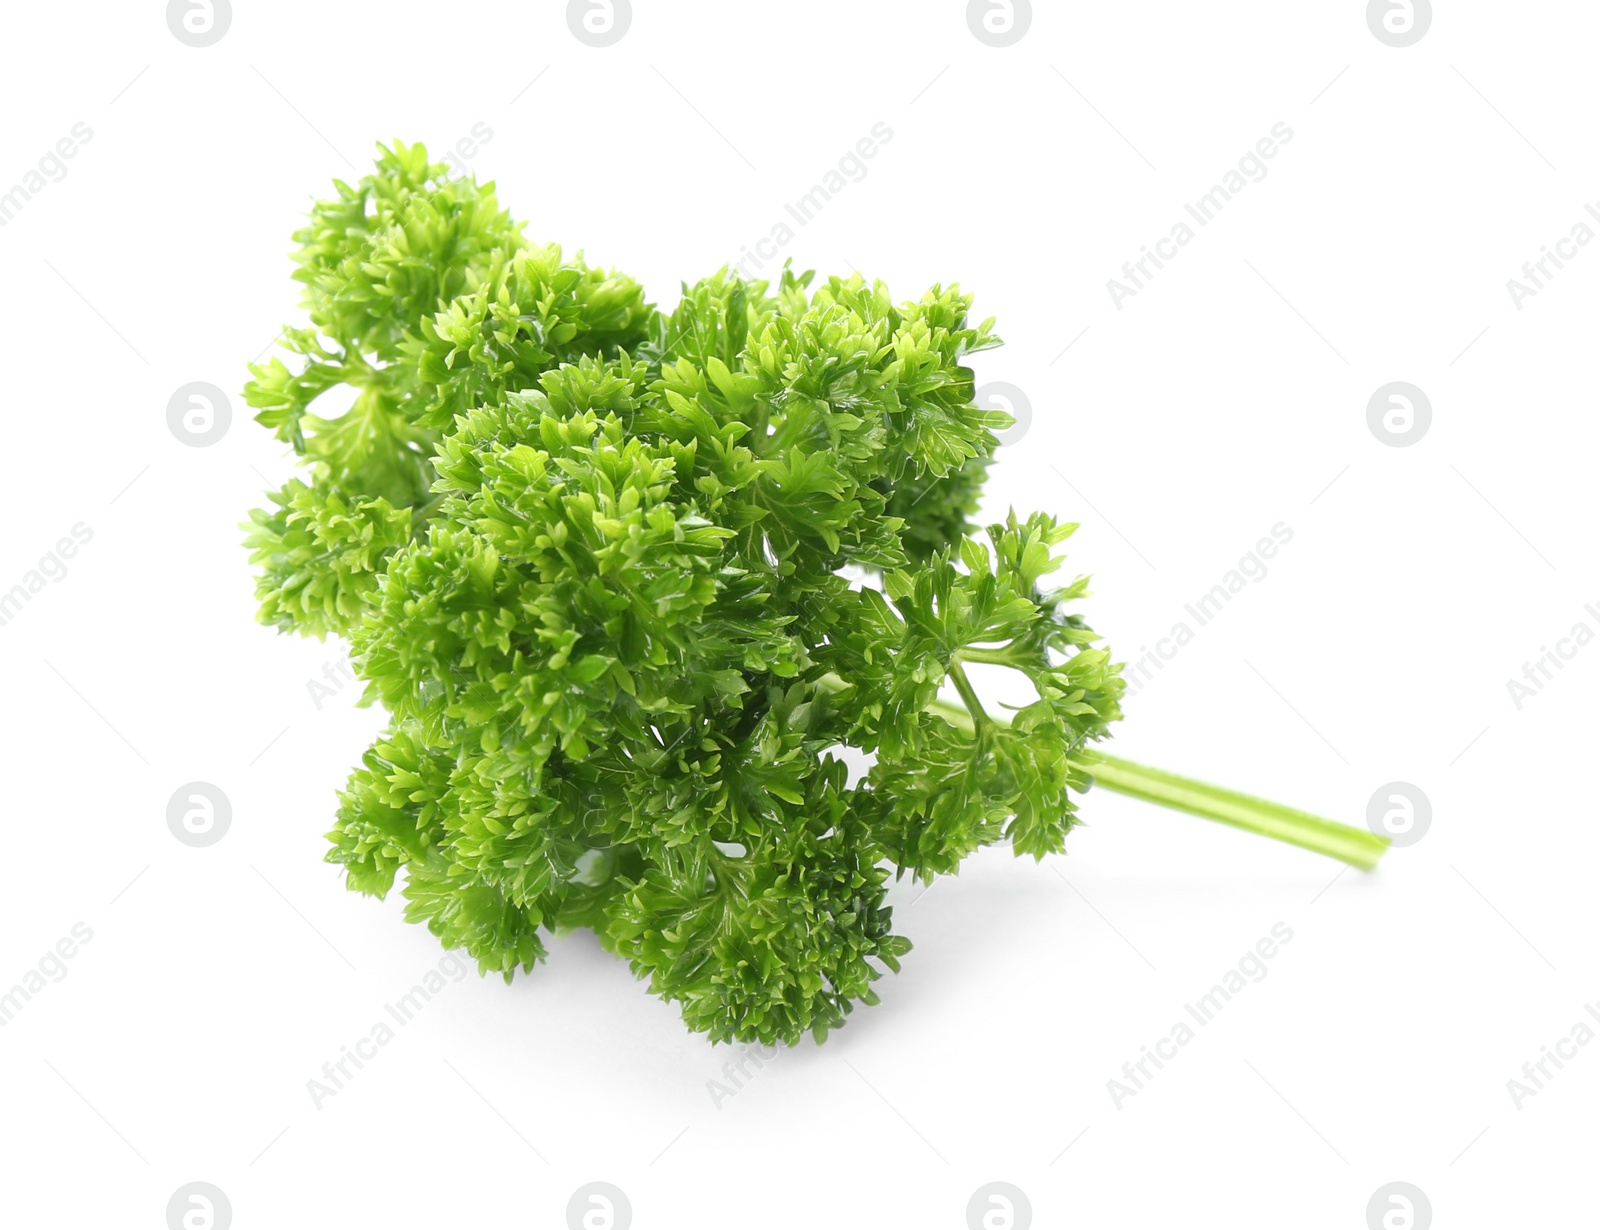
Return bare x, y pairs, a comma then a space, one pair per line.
1004, 656
1352, 845
970, 698
1358, 847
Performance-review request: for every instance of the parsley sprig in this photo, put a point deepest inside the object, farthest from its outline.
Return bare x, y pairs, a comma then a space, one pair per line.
632, 585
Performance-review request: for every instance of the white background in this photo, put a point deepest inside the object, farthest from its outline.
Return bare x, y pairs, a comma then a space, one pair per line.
1192, 419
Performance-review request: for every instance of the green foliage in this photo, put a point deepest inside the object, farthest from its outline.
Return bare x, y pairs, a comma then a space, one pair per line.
595, 560
424, 300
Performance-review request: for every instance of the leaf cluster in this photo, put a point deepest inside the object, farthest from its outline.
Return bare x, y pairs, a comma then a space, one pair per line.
634, 587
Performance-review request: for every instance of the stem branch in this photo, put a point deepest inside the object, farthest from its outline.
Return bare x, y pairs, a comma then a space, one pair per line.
1004, 656
1355, 846
968, 696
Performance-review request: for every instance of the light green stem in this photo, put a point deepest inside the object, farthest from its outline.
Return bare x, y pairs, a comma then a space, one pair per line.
963, 685
1358, 847
1355, 846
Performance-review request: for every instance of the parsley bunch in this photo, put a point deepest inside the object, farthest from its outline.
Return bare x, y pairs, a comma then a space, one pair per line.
629, 583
